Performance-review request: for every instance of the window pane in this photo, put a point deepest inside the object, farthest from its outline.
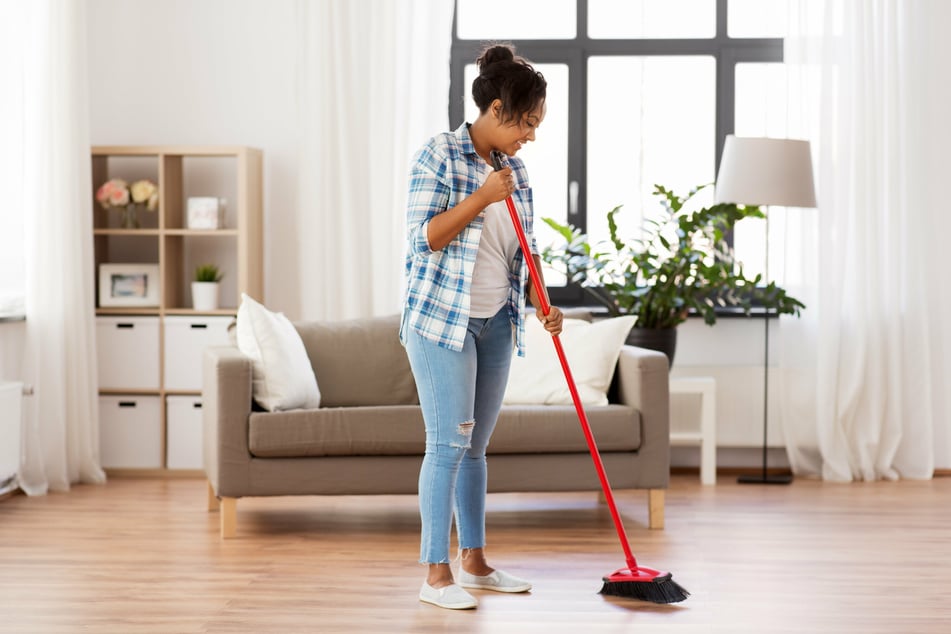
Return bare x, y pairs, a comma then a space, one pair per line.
546, 158
760, 111
521, 20
651, 120
757, 18
652, 18
761, 100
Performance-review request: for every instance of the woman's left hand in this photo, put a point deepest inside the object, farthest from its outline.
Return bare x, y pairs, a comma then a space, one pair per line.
552, 321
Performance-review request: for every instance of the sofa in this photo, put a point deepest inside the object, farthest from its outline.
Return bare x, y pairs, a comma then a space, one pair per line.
367, 437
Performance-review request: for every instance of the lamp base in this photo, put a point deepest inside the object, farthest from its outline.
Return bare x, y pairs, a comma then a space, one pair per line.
765, 478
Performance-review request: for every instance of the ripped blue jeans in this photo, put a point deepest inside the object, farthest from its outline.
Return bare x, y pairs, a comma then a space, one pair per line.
460, 394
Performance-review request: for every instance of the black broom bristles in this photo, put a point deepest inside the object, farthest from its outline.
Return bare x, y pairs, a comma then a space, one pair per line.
662, 589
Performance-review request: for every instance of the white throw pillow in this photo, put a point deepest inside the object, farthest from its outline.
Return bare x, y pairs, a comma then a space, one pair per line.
592, 350
283, 377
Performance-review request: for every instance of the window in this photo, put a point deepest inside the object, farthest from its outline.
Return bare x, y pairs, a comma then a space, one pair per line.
641, 92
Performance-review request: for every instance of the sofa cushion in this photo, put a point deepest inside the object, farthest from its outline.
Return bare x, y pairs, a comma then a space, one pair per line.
399, 430
359, 362
282, 375
592, 350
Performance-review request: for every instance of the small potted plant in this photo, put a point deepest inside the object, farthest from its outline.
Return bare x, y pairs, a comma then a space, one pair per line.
205, 287
681, 263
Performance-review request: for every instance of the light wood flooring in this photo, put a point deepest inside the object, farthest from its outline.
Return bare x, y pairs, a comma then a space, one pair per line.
138, 555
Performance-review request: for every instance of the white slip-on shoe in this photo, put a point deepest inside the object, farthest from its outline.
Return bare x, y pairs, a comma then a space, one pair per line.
498, 581
451, 597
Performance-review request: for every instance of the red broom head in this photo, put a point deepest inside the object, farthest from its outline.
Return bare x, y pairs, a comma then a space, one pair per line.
644, 584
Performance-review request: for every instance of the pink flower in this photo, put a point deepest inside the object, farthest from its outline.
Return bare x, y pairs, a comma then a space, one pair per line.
119, 197
113, 193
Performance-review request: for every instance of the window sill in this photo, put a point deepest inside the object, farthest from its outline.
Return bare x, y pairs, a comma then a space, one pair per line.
756, 312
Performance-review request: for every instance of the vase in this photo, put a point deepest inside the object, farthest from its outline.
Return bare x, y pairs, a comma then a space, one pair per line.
204, 295
129, 218
659, 339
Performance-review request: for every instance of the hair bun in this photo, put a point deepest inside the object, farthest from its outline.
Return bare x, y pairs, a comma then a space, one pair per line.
495, 54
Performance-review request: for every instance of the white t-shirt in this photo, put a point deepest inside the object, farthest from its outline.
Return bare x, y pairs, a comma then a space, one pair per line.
490, 278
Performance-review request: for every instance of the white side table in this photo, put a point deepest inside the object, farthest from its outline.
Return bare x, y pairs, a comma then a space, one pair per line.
706, 437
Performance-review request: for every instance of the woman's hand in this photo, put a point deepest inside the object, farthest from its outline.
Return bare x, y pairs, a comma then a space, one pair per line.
498, 186
553, 321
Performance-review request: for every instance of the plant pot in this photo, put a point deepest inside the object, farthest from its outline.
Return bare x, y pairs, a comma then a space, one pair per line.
660, 339
205, 295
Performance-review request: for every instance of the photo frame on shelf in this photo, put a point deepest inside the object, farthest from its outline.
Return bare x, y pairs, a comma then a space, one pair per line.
129, 285
205, 212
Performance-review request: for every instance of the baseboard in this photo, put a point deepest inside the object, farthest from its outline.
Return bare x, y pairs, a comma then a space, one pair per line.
162, 474
9, 494
738, 471
728, 471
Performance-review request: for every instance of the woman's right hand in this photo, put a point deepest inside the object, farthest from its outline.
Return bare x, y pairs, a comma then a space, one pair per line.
498, 186
444, 227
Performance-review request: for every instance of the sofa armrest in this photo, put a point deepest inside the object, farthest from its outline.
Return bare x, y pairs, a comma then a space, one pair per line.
226, 406
644, 383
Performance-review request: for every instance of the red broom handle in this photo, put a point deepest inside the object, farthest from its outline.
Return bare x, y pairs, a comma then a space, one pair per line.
579, 408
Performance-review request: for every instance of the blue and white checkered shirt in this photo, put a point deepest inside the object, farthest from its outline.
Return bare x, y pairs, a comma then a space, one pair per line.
446, 171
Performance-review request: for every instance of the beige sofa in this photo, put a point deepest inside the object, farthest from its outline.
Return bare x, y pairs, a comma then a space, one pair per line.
367, 436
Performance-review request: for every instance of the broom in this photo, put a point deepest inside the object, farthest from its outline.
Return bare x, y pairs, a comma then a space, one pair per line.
636, 582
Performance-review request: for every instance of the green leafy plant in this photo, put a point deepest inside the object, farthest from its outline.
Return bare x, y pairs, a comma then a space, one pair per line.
208, 273
681, 262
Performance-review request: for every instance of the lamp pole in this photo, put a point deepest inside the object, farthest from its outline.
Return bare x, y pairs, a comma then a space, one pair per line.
765, 477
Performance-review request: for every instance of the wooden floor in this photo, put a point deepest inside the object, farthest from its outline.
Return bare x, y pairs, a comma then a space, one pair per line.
144, 556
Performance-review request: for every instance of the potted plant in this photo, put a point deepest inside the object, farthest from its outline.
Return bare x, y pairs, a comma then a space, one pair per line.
681, 263
205, 287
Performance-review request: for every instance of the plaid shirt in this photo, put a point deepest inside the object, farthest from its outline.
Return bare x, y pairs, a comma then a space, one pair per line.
446, 171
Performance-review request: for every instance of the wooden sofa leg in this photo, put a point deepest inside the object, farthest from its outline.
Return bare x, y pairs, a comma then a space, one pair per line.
229, 517
212, 498
655, 509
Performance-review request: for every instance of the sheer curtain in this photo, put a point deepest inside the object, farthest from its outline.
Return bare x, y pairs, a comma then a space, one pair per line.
373, 82
61, 428
865, 370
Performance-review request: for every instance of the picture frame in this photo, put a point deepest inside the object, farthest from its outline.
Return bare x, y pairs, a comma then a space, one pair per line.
205, 212
129, 285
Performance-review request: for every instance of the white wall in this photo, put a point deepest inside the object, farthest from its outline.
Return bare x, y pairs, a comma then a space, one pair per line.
206, 72
732, 352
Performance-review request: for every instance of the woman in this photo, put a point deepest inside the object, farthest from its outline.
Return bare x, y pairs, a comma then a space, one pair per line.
465, 298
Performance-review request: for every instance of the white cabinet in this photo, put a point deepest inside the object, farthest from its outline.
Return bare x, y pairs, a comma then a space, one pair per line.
11, 421
130, 432
183, 422
186, 338
128, 352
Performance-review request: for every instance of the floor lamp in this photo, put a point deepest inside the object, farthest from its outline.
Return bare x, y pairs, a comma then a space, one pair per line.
763, 172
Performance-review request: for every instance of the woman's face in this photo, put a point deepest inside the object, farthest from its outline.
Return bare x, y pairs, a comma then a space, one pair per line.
512, 135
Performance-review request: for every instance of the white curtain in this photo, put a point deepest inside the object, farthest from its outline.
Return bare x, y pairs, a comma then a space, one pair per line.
865, 367
61, 439
373, 85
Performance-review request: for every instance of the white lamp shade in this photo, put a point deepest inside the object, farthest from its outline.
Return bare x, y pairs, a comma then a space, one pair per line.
764, 171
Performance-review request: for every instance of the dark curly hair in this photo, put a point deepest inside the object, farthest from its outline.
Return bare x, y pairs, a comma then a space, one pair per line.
505, 76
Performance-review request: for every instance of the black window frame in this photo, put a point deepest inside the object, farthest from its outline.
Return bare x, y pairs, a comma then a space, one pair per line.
726, 51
